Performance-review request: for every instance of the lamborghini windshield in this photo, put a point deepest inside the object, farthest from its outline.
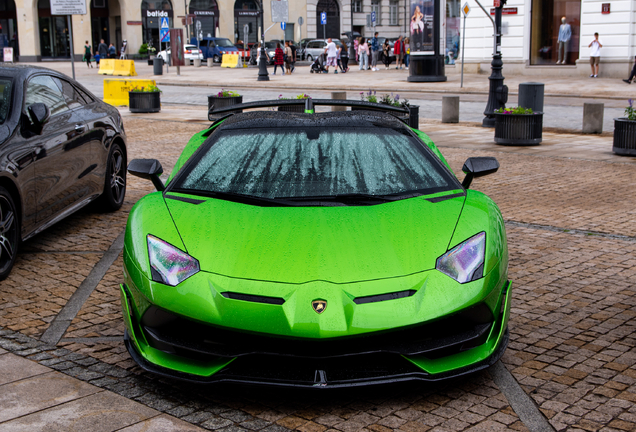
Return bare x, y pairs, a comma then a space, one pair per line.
309, 163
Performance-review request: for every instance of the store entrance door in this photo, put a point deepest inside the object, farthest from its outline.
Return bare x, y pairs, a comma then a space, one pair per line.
8, 26
547, 17
54, 40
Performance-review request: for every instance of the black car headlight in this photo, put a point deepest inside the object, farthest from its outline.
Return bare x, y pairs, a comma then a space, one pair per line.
169, 265
464, 262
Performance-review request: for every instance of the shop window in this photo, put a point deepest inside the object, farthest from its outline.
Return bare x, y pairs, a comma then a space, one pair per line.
547, 16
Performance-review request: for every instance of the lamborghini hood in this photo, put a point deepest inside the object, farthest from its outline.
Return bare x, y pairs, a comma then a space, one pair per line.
339, 244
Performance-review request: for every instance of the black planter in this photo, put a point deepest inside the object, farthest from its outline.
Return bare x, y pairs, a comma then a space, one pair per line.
624, 137
292, 108
144, 102
215, 102
519, 129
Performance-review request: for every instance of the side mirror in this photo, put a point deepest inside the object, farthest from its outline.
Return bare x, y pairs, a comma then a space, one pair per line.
149, 169
478, 167
39, 115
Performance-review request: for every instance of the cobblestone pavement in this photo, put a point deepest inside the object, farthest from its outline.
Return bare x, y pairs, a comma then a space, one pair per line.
572, 239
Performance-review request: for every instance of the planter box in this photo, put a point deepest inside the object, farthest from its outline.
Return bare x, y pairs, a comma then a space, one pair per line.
292, 108
624, 137
519, 129
144, 102
222, 102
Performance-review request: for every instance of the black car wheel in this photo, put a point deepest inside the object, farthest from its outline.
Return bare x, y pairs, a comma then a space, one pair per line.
8, 233
115, 185
310, 58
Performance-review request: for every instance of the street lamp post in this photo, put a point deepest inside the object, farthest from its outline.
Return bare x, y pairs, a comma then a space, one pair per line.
263, 75
352, 51
498, 93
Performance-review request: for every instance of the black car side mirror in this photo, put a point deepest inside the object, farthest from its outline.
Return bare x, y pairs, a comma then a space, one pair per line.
478, 167
149, 169
39, 115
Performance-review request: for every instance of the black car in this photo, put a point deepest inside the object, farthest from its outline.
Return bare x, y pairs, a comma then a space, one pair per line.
60, 149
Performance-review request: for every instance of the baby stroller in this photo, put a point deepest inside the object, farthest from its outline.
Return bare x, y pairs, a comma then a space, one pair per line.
318, 65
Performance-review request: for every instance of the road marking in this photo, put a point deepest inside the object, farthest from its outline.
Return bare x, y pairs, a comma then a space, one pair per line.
520, 402
62, 321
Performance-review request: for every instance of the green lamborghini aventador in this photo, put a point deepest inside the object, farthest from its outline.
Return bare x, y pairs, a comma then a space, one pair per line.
315, 250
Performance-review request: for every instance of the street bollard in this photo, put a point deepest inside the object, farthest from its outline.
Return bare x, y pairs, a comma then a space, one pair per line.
210, 62
339, 96
593, 118
450, 109
196, 62
414, 116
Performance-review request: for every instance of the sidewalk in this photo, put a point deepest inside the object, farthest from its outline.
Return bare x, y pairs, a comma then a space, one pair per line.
355, 80
34, 397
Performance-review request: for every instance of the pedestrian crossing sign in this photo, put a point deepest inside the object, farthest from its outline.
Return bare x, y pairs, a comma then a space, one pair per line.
164, 23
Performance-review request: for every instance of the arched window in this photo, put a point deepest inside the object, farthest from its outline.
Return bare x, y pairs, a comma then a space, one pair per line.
246, 12
151, 13
54, 40
333, 19
207, 15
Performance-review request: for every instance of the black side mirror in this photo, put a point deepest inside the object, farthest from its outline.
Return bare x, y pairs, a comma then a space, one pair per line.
39, 115
149, 169
478, 167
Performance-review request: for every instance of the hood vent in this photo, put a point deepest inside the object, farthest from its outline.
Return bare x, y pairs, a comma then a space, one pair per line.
384, 297
253, 298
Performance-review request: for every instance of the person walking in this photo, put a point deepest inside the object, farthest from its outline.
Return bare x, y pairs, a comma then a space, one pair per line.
633, 74
363, 54
398, 50
279, 59
375, 52
332, 52
407, 52
595, 55
87, 55
97, 58
288, 58
293, 49
102, 49
344, 57
112, 51
386, 54
258, 55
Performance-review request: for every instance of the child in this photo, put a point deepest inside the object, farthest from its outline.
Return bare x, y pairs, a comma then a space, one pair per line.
97, 58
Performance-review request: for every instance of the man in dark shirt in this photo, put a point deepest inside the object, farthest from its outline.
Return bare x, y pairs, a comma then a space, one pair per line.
292, 47
102, 49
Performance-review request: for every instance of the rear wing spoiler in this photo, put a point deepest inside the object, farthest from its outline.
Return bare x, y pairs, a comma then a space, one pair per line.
409, 115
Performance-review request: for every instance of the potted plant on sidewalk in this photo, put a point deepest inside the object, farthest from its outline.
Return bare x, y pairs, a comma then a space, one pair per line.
293, 108
223, 99
146, 99
625, 132
518, 126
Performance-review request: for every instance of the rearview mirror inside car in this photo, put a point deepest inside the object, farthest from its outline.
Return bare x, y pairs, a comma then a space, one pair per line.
478, 167
149, 169
39, 115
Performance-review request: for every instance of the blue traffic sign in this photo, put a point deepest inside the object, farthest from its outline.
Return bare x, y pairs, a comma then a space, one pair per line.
164, 23
323, 18
164, 35
283, 25
373, 17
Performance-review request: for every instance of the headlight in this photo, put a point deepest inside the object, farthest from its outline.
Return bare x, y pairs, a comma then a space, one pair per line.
465, 262
168, 264
271, 53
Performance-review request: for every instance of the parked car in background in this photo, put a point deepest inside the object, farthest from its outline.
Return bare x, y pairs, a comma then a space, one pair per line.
190, 52
214, 48
61, 148
315, 47
300, 53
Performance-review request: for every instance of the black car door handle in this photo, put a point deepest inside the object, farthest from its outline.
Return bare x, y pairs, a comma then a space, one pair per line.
80, 128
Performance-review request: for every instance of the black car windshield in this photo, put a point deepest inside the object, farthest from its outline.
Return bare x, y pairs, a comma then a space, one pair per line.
224, 43
312, 162
5, 98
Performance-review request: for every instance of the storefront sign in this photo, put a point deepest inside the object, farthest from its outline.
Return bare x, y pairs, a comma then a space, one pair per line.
204, 12
134, 22
250, 13
422, 25
68, 7
505, 11
605, 8
147, 13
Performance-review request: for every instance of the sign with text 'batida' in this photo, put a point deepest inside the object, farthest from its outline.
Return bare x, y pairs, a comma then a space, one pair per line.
68, 7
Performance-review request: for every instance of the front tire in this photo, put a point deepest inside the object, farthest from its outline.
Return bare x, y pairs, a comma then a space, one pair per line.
115, 182
310, 58
9, 233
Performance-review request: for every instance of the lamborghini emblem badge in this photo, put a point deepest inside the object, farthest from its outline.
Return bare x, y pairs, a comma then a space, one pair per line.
319, 306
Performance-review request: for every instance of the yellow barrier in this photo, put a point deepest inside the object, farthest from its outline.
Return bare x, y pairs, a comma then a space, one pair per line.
230, 60
116, 90
117, 67
106, 66
125, 68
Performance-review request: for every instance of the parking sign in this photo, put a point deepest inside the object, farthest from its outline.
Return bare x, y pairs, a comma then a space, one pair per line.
373, 18
323, 18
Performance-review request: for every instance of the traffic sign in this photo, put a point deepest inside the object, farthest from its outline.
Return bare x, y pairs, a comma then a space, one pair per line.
301, 21
246, 29
373, 18
466, 9
283, 25
68, 7
164, 35
164, 23
323, 18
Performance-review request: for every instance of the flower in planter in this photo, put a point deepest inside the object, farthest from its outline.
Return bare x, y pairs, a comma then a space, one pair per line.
227, 93
369, 96
630, 111
145, 89
514, 110
300, 96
